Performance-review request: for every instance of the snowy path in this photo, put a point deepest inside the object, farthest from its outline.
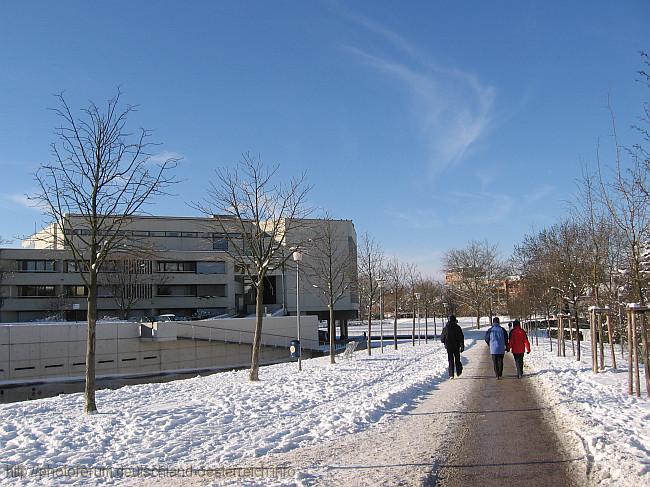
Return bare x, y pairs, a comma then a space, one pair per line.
508, 435
389, 419
415, 447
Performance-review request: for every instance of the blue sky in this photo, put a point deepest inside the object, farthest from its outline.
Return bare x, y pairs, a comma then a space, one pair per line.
427, 123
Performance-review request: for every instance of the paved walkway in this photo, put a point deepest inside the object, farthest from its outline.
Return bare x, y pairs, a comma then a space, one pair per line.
471, 431
507, 436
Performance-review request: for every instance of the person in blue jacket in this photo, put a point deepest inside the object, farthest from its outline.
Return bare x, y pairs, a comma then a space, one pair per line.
497, 339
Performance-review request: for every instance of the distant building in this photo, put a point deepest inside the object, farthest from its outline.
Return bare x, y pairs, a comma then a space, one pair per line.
182, 269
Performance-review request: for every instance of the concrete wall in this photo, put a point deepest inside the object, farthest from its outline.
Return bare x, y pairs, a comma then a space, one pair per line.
33, 352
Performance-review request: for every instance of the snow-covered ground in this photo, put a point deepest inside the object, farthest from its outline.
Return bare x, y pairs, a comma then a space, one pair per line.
613, 427
224, 421
216, 421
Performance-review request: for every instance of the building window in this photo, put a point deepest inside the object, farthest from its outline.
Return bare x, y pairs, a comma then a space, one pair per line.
76, 291
212, 290
36, 265
36, 291
219, 243
211, 267
164, 266
176, 290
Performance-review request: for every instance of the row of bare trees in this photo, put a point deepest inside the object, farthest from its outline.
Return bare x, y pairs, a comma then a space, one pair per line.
405, 291
598, 256
102, 174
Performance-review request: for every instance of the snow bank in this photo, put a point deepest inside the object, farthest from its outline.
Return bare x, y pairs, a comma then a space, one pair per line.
612, 426
214, 421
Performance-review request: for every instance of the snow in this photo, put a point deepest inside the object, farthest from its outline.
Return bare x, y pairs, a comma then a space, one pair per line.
218, 420
612, 426
223, 420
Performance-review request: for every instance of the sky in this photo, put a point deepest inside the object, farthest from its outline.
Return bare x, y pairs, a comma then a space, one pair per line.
427, 123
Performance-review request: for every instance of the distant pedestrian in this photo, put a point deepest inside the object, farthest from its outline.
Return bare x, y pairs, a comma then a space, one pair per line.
454, 340
497, 339
518, 341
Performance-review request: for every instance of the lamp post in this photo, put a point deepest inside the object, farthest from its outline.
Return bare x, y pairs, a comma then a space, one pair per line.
417, 297
297, 257
380, 282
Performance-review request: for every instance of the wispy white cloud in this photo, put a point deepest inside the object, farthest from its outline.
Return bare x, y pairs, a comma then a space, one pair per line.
415, 220
453, 108
539, 193
480, 207
21, 200
163, 156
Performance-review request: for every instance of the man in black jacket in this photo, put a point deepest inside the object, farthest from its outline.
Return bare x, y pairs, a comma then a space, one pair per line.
454, 340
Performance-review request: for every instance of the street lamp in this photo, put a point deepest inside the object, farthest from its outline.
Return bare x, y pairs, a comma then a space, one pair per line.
380, 282
297, 257
417, 297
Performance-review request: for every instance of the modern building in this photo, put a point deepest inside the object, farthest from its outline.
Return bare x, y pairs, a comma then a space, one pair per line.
182, 267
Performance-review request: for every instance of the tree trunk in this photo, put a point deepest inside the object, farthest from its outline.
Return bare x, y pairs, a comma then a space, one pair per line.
601, 345
573, 345
644, 338
332, 328
435, 325
369, 341
395, 322
594, 350
257, 339
548, 328
577, 334
611, 339
413, 330
426, 324
630, 356
478, 318
621, 330
89, 394
635, 348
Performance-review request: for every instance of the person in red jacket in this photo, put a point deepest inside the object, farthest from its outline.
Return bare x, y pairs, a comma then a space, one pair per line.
519, 343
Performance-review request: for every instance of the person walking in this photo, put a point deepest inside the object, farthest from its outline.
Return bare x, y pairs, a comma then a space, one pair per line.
454, 340
497, 339
518, 342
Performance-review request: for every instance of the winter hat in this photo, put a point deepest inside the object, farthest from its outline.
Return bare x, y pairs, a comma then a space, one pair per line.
516, 323
452, 319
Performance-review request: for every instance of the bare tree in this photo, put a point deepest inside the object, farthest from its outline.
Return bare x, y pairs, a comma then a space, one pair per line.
130, 277
255, 215
475, 270
641, 150
629, 206
431, 292
100, 176
369, 265
412, 280
395, 279
331, 268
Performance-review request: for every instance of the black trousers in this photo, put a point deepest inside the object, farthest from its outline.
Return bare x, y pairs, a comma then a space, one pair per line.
497, 361
454, 361
519, 363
